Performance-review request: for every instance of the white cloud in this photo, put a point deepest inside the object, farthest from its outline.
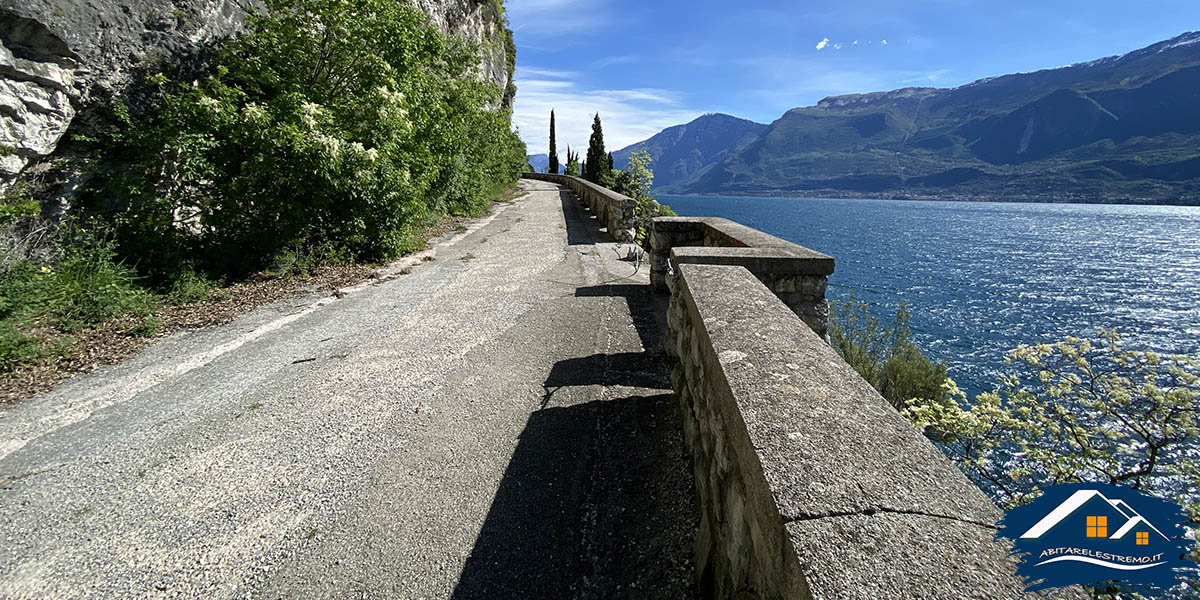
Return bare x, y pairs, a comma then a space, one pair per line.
884, 42
821, 44
854, 43
628, 115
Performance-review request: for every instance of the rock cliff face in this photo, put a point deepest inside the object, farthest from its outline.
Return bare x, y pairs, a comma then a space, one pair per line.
59, 58
481, 22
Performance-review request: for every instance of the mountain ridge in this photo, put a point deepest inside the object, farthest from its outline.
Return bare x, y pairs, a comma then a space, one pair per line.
682, 151
1122, 128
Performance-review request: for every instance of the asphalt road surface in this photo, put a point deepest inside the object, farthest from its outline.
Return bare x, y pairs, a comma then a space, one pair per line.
495, 423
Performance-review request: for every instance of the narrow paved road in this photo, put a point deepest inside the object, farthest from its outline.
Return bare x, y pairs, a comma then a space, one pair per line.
494, 424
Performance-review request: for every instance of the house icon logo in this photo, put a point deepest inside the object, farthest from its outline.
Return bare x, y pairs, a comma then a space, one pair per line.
1091, 533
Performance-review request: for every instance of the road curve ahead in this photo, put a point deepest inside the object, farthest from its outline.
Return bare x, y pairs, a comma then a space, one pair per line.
493, 424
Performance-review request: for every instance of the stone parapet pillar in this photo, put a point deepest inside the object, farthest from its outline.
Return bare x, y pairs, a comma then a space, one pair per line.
797, 275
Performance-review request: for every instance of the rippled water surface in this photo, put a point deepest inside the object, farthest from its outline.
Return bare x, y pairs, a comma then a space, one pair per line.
982, 278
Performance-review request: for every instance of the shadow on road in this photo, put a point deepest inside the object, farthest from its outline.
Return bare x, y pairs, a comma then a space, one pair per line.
643, 369
596, 496
648, 309
597, 500
582, 226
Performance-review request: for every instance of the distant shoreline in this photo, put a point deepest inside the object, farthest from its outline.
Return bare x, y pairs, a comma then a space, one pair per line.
1022, 199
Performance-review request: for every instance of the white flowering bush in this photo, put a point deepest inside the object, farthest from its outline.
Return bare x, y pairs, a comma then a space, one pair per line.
1078, 411
332, 127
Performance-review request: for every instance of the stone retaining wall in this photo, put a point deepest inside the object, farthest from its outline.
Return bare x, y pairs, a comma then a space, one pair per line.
797, 275
615, 211
809, 484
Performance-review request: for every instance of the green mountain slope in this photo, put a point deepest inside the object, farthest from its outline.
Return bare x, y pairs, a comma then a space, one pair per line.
1124, 128
684, 151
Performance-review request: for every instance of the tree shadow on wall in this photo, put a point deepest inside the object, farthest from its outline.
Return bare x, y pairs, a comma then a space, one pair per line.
596, 496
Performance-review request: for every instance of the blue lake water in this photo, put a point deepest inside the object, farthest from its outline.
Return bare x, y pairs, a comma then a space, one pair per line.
982, 278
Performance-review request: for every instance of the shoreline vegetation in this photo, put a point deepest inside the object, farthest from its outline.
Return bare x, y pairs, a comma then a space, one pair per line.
1076, 411
316, 144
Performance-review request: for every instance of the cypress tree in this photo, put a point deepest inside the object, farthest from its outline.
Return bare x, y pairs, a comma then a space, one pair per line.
610, 162
597, 161
553, 166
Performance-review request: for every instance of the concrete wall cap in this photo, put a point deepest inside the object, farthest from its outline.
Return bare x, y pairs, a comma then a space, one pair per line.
795, 260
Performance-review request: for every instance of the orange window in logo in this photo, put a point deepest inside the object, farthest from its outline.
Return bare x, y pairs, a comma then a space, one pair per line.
1098, 527
1143, 538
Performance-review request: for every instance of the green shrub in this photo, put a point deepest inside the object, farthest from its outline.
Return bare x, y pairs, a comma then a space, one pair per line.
328, 125
16, 346
189, 286
635, 182
23, 290
148, 326
909, 374
90, 286
86, 287
14, 212
884, 355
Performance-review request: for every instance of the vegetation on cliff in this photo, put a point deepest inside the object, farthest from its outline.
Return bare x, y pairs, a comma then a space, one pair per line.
326, 131
884, 354
329, 132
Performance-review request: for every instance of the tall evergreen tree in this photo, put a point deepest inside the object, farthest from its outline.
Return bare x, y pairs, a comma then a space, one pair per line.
553, 166
610, 162
597, 160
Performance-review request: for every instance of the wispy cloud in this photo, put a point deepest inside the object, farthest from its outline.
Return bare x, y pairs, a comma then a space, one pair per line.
629, 115
545, 19
928, 78
806, 88
821, 44
614, 60
539, 73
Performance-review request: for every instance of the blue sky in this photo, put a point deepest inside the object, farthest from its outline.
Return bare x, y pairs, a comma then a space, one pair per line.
649, 64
